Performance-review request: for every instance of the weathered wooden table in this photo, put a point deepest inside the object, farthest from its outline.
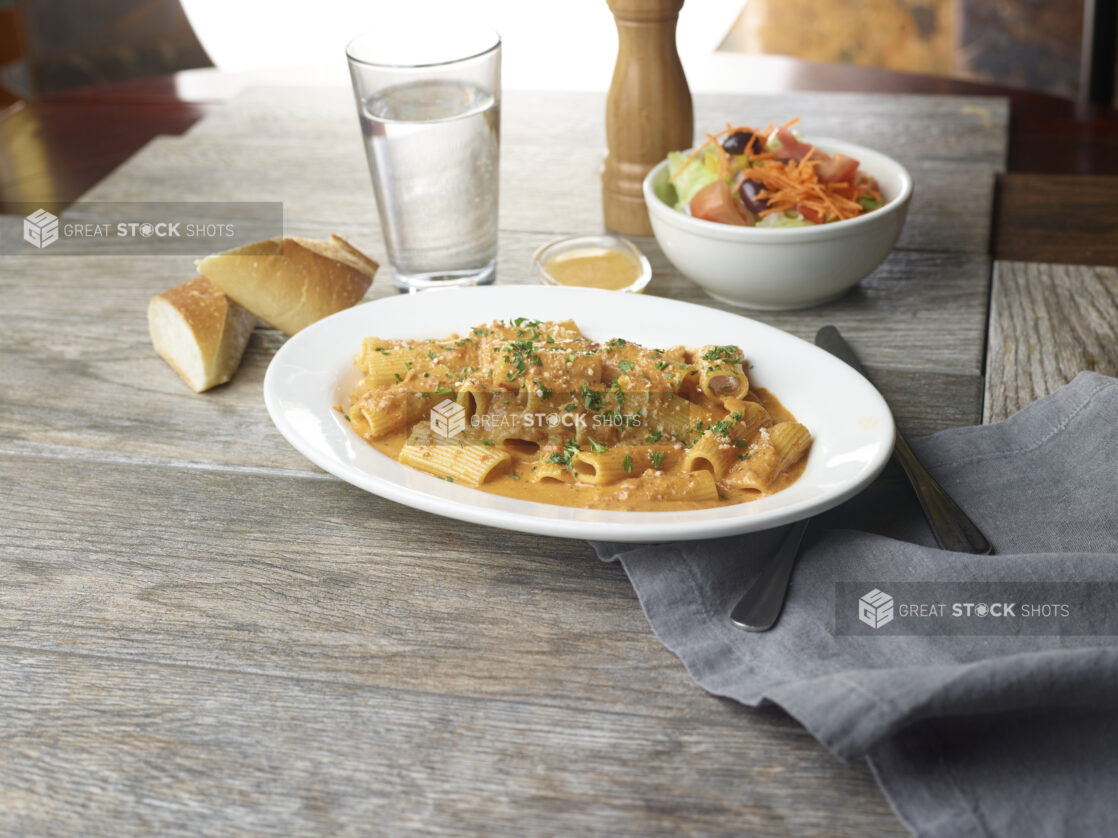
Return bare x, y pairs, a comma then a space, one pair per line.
200, 633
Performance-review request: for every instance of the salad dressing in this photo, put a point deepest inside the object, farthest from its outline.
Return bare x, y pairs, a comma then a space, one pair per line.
594, 267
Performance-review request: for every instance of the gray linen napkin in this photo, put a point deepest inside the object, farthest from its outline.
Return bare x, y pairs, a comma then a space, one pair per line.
977, 734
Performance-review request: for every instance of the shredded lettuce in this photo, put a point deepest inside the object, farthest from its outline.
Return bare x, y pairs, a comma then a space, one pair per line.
870, 203
693, 177
785, 219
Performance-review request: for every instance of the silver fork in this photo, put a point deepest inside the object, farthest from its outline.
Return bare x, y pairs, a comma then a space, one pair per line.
760, 607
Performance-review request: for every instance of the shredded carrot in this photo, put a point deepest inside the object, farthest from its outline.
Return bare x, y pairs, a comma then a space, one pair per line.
788, 185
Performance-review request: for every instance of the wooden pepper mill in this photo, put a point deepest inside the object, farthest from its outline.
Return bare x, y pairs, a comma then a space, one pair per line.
648, 111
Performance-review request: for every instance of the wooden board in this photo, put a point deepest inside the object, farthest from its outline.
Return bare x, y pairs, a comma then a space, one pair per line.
544, 191
127, 748
110, 393
225, 645
202, 633
954, 128
1071, 219
1047, 324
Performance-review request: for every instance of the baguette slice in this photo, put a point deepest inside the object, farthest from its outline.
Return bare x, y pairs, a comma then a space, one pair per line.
292, 282
200, 332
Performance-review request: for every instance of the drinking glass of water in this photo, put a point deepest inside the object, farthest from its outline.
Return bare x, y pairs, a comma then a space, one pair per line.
429, 104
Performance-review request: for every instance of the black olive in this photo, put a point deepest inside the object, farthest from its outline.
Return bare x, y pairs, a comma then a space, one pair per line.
748, 193
737, 142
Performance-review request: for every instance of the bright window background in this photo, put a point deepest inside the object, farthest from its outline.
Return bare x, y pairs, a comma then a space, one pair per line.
547, 44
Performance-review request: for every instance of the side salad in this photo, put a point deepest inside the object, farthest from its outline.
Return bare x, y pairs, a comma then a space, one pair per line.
769, 178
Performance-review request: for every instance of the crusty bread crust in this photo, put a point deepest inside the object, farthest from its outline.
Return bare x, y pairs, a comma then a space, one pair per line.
292, 282
200, 332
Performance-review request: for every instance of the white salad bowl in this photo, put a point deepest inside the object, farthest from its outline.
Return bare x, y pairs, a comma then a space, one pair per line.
782, 267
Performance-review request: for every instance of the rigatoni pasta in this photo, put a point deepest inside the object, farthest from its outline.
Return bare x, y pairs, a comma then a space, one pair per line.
536, 410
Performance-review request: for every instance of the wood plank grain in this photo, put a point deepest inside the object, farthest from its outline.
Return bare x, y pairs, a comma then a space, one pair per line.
1070, 219
1047, 324
100, 746
320, 182
319, 580
142, 605
82, 380
206, 634
957, 128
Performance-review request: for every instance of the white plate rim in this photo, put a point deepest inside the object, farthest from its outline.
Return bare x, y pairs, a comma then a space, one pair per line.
428, 493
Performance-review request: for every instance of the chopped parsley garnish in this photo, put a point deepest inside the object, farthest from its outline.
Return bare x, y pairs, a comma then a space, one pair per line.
513, 476
722, 427
730, 354
618, 395
398, 379
591, 399
382, 350
653, 436
627, 463
569, 407
519, 353
488, 442
443, 390
660, 365
657, 458
615, 343
431, 354
564, 459
596, 446
625, 366
448, 479
544, 392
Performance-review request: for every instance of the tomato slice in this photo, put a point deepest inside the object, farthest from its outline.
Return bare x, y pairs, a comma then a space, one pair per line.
793, 148
715, 202
810, 214
838, 168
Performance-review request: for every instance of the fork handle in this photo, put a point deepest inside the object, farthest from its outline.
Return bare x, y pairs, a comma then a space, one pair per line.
760, 607
950, 525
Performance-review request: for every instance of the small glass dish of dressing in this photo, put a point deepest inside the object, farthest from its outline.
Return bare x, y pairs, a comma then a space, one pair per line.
607, 262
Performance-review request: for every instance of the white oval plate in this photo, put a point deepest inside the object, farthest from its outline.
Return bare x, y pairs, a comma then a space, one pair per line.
848, 418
